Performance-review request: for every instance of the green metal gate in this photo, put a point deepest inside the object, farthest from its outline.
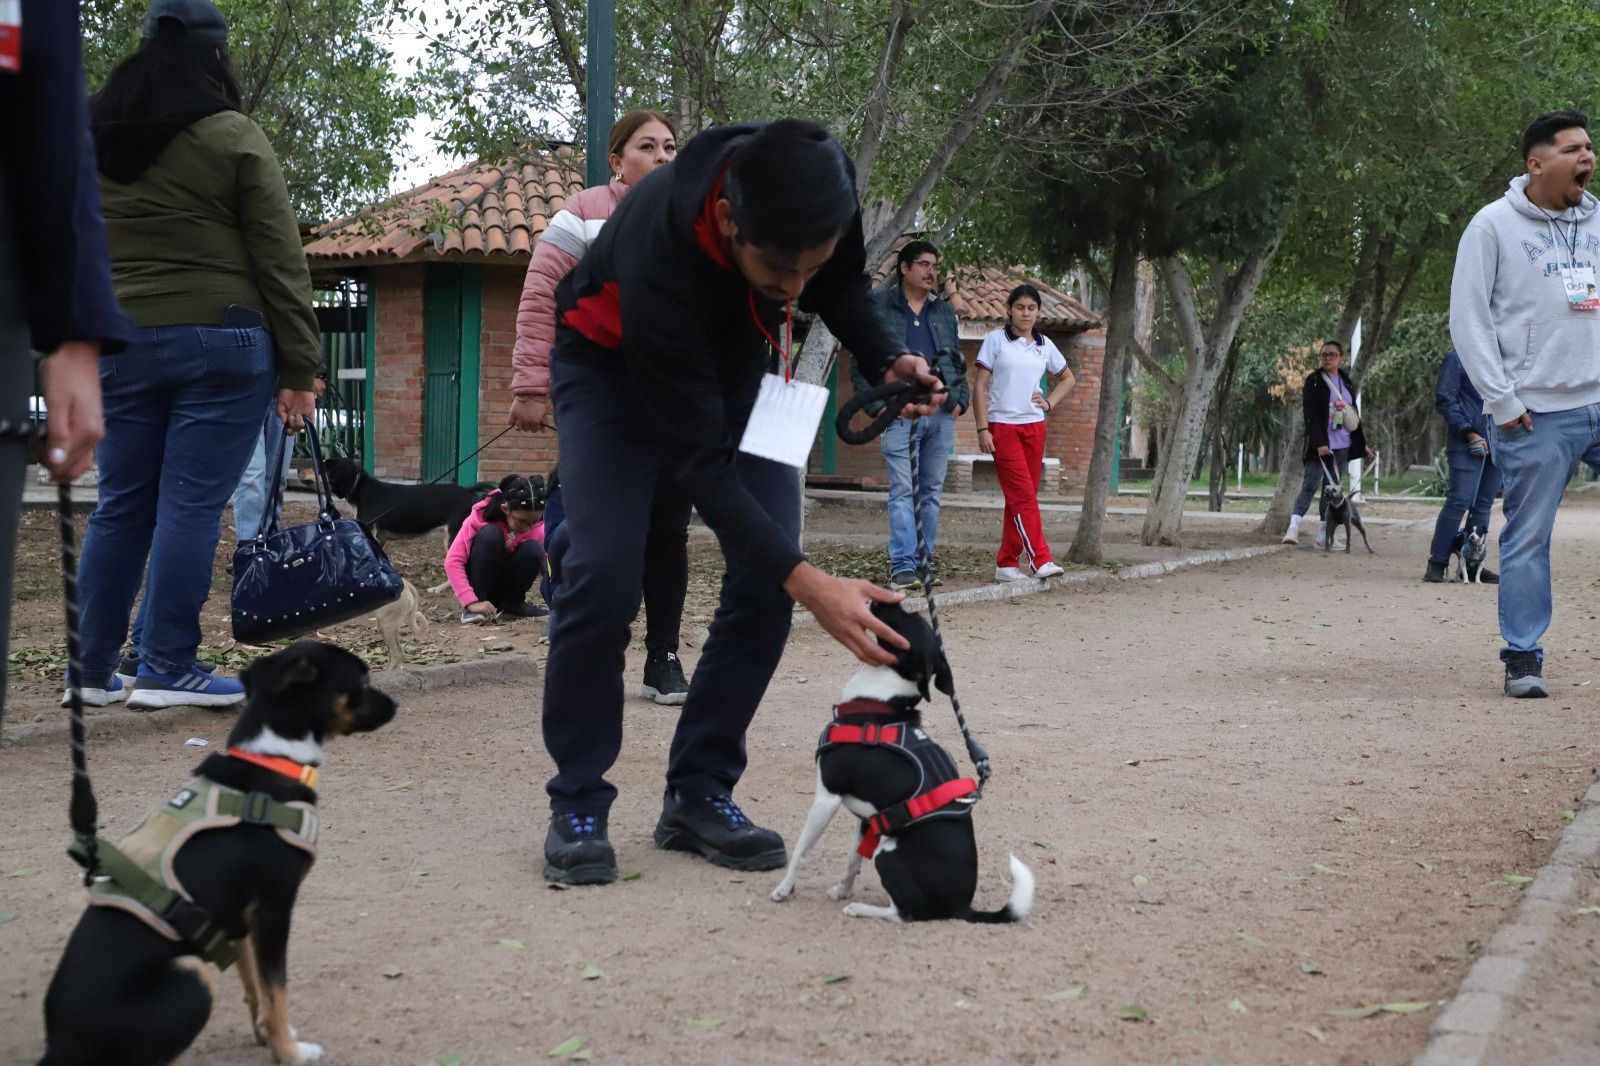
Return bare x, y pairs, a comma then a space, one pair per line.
441, 388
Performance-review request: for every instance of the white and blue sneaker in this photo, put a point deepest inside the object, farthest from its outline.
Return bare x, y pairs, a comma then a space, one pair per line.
192, 687
113, 692
128, 668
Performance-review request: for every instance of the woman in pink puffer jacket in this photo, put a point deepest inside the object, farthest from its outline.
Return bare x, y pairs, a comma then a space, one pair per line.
640, 141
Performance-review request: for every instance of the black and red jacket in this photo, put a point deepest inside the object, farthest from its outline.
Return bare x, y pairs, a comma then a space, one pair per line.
657, 296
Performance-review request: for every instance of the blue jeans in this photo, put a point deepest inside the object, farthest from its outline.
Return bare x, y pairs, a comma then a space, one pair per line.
1536, 464
934, 436
1474, 483
183, 407
250, 498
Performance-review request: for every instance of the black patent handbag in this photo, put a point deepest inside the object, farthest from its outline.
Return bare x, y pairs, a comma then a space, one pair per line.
288, 582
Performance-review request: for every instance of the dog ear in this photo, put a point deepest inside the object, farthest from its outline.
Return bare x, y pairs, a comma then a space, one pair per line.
297, 669
943, 679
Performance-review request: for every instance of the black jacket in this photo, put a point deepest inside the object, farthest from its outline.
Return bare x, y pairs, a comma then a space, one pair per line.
1315, 398
52, 191
656, 294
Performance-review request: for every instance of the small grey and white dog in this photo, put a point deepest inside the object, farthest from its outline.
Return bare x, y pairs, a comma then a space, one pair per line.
1473, 552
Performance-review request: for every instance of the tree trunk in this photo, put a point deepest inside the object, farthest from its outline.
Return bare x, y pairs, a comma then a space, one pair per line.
1219, 432
1288, 487
1120, 327
1205, 354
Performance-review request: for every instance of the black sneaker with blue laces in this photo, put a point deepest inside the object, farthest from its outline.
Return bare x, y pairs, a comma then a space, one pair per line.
713, 826
576, 851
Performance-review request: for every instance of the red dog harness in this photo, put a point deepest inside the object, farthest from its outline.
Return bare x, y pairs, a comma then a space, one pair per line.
939, 790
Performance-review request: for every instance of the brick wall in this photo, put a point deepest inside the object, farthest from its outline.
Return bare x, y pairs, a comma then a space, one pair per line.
1069, 435
515, 453
398, 377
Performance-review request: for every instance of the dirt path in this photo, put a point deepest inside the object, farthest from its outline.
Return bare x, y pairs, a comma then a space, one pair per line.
1252, 795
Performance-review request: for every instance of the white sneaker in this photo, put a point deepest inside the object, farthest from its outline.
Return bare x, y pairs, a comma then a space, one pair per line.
1048, 570
1009, 573
1292, 536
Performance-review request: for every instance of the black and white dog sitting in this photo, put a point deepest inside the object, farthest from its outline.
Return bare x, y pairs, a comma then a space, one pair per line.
1473, 550
916, 812
1339, 509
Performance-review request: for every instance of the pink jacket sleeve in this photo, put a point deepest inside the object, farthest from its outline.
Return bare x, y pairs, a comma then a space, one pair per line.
455, 560
558, 250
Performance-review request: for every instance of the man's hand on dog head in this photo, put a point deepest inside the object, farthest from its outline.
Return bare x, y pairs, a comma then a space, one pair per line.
839, 605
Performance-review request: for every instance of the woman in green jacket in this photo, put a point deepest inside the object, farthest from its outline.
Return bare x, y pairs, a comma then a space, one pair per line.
206, 260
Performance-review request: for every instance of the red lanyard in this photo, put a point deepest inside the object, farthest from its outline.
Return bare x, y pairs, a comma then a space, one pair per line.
784, 350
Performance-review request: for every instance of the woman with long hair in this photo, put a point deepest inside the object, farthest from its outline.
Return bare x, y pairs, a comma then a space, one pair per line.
206, 260
640, 142
1010, 411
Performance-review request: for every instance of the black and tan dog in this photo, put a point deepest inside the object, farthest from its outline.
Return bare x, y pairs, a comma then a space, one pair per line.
391, 510
211, 874
877, 760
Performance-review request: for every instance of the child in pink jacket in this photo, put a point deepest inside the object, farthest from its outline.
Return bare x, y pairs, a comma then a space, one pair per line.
498, 552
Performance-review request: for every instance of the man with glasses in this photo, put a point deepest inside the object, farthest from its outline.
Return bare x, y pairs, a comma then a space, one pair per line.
911, 309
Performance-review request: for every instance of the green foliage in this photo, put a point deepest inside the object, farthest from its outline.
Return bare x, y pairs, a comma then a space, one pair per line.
1397, 389
313, 74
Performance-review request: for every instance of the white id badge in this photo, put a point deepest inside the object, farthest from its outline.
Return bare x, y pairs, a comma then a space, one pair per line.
783, 425
1580, 284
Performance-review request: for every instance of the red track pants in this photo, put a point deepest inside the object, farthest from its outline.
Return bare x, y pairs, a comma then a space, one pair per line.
1018, 452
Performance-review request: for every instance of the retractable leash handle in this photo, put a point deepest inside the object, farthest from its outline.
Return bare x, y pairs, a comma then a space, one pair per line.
896, 397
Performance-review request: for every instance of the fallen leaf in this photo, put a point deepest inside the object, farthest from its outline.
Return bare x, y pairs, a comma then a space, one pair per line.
1314, 1033
1133, 1013
1066, 994
511, 945
402, 787
1140, 880
633, 876
1041, 844
452, 1058
22, 873
834, 979
1251, 939
6, 916
1567, 816
567, 1048
704, 1023
1346, 818
1381, 1008
1311, 968
392, 971
581, 1056
1321, 869
1405, 1008
556, 886
1357, 1012
1237, 1006
1425, 867
1587, 910
1483, 903
1517, 879
592, 972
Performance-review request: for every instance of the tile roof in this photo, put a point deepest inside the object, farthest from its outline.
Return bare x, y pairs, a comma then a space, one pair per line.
979, 296
479, 210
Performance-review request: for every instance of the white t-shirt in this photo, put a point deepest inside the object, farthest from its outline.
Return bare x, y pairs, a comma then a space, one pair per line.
1016, 367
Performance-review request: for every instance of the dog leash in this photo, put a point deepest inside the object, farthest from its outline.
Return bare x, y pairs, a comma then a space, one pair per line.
83, 811
897, 395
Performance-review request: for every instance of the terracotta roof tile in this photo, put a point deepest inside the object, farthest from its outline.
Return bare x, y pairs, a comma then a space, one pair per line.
479, 210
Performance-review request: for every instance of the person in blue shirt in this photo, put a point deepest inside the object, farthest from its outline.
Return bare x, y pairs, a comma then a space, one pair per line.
1474, 479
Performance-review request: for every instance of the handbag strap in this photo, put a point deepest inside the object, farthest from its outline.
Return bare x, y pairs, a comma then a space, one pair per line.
325, 508
269, 514
319, 477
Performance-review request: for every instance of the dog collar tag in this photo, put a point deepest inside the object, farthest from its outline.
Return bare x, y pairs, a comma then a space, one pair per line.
181, 800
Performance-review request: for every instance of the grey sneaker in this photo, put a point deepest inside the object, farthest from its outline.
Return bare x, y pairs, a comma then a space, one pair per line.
469, 617
1525, 676
905, 581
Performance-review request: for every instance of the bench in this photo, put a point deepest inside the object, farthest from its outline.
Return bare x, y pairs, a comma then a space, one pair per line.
974, 472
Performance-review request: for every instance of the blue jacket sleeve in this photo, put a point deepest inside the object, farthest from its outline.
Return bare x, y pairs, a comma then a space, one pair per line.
53, 188
1451, 401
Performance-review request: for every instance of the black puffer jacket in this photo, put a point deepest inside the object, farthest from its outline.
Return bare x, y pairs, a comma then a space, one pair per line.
1315, 397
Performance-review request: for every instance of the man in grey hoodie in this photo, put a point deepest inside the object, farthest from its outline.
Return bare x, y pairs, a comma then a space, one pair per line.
1528, 334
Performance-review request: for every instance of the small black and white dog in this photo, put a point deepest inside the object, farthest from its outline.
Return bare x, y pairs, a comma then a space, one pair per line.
1340, 510
1472, 553
131, 987
390, 510
916, 812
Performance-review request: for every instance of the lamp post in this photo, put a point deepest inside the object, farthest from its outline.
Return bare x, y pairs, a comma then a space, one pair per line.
600, 90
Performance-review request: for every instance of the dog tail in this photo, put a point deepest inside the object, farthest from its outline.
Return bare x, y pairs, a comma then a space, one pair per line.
1017, 907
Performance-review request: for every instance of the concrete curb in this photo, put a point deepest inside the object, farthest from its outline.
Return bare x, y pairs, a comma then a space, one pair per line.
1461, 1035
1011, 590
117, 721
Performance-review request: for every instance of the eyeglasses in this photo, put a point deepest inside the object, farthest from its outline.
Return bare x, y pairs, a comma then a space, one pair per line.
929, 264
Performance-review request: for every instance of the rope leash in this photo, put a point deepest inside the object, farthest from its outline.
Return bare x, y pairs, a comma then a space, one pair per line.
84, 811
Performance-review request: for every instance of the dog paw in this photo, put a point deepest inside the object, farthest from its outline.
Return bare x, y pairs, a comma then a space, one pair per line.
784, 890
840, 891
860, 910
308, 1052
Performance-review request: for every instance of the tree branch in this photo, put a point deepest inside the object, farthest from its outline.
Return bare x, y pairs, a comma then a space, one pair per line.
1151, 367
876, 114
568, 50
1180, 286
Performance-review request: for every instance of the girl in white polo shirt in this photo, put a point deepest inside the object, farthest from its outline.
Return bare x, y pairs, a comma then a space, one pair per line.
1010, 412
